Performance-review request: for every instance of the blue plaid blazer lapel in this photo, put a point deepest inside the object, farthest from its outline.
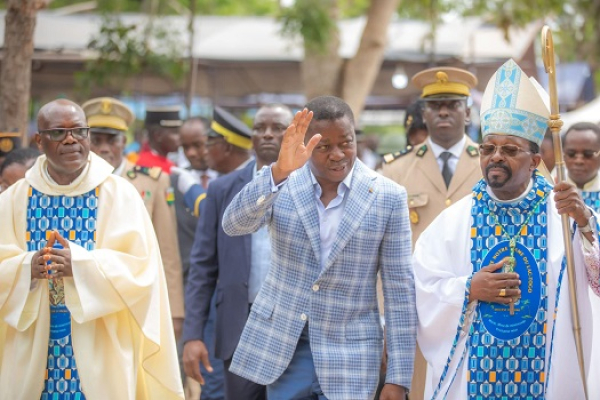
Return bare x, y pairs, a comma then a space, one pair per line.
360, 198
303, 195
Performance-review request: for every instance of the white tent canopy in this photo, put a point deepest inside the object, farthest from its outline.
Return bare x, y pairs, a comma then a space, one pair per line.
587, 113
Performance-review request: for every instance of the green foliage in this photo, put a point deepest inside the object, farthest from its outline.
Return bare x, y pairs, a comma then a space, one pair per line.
502, 13
166, 7
513, 12
352, 8
576, 34
506, 14
316, 20
574, 21
234, 7
579, 35
426, 10
311, 20
103, 5
123, 51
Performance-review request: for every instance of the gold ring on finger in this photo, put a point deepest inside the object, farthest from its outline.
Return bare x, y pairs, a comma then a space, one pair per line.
502, 292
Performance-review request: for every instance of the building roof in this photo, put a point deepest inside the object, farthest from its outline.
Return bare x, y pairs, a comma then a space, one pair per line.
232, 38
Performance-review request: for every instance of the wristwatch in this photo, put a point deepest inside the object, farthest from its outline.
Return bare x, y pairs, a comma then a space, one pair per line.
588, 227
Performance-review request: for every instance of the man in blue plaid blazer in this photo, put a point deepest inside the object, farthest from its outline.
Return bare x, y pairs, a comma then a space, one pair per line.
314, 330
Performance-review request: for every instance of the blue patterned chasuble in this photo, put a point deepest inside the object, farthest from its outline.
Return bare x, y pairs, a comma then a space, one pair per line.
75, 219
592, 200
509, 363
506, 354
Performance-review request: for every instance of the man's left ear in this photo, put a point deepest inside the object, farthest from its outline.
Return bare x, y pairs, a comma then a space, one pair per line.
535, 161
38, 140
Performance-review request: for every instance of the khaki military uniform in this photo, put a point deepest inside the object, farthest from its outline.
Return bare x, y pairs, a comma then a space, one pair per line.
418, 171
155, 189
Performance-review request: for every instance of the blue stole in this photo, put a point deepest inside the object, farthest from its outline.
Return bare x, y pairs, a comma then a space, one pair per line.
507, 353
592, 200
75, 219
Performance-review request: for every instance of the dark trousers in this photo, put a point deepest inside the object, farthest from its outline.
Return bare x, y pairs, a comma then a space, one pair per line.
213, 388
238, 388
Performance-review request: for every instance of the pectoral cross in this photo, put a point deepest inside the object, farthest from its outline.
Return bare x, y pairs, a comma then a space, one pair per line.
509, 266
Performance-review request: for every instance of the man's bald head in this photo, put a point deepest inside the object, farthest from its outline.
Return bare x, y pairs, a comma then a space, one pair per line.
57, 108
63, 136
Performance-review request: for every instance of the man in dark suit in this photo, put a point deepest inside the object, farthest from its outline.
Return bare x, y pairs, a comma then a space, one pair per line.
234, 267
193, 135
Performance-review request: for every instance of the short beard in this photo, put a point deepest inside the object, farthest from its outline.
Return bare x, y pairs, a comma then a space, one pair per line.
495, 183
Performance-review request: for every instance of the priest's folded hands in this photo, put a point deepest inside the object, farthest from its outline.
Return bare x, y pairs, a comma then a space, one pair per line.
50, 262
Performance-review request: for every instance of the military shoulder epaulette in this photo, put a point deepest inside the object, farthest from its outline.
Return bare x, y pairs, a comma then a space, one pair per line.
152, 172
388, 158
473, 151
422, 150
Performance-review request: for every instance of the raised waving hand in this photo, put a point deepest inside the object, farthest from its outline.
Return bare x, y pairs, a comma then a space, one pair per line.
294, 153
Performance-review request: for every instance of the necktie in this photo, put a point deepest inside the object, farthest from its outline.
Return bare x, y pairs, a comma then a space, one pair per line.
204, 180
446, 171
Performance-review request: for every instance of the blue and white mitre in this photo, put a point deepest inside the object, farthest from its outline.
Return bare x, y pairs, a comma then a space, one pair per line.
514, 104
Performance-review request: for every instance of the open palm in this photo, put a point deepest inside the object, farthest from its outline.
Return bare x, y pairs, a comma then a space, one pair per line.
294, 153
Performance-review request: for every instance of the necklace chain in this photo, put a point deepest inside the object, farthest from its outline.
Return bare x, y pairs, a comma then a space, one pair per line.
513, 241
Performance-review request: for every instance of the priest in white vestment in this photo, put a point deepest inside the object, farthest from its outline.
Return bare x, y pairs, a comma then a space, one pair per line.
492, 288
84, 312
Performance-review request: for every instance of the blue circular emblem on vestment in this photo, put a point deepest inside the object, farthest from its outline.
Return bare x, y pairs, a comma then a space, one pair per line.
60, 321
496, 317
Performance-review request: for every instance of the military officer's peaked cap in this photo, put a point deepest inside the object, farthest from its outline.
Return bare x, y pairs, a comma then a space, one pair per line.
167, 116
9, 141
232, 129
444, 83
107, 115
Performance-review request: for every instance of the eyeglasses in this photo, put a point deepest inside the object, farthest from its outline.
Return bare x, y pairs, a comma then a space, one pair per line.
509, 150
587, 154
59, 134
434, 105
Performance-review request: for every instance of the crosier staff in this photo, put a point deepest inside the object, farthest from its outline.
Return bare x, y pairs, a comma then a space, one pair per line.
555, 123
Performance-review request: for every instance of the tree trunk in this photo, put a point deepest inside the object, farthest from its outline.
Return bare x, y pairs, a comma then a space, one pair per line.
321, 68
193, 62
15, 78
324, 71
361, 71
594, 54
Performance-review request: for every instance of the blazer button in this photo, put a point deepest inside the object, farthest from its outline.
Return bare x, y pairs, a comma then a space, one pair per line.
303, 317
315, 288
260, 200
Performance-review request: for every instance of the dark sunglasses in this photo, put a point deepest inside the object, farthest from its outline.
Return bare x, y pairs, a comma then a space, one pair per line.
587, 154
509, 150
59, 134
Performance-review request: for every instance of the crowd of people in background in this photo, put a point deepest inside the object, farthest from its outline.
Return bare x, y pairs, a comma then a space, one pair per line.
288, 260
